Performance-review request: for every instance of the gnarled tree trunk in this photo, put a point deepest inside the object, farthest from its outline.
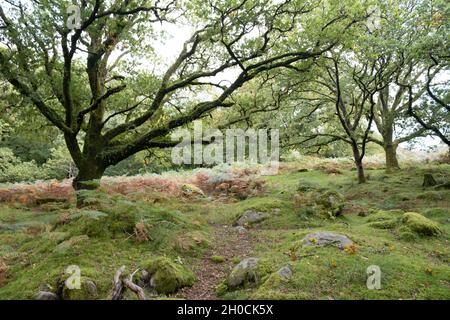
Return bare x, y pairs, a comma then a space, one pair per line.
88, 178
359, 164
390, 148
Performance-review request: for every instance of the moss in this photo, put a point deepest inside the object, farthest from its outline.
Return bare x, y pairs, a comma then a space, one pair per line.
167, 276
221, 289
439, 214
384, 215
56, 236
217, 259
278, 295
190, 242
65, 246
332, 201
249, 272
384, 224
421, 225
87, 291
306, 186
113, 224
275, 287
406, 234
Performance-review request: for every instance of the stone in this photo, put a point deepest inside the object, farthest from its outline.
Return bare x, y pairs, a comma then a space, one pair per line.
276, 211
46, 295
166, 276
251, 217
243, 272
240, 229
87, 291
285, 273
320, 239
91, 288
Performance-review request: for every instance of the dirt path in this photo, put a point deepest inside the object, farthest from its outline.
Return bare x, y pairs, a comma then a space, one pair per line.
228, 243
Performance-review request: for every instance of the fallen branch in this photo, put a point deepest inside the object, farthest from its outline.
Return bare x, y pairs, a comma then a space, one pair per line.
121, 284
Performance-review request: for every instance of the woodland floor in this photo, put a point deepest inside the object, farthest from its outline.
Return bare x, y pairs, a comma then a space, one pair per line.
141, 218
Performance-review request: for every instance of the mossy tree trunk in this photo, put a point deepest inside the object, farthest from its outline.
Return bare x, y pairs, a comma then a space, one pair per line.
88, 178
359, 164
390, 150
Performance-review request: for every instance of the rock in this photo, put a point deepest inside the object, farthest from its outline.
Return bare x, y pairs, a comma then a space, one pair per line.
242, 273
285, 273
251, 217
240, 229
45, 295
190, 189
166, 276
91, 288
421, 225
331, 201
64, 246
428, 180
320, 239
87, 291
276, 211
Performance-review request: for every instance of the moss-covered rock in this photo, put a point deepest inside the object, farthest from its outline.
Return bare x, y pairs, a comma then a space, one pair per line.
332, 201
87, 291
421, 225
166, 276
247, 272
251, 217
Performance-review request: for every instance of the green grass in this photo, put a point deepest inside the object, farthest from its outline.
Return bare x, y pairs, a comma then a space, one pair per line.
181, 230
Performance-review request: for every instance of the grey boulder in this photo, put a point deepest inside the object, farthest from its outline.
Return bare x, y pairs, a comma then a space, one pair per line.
320, 239
242, 273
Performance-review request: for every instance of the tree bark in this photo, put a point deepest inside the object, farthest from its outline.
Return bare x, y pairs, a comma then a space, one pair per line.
88, 178
359, 164
390, 147
390, 150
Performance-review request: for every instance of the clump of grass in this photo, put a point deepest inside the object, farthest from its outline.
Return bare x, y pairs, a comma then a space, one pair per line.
218, 259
